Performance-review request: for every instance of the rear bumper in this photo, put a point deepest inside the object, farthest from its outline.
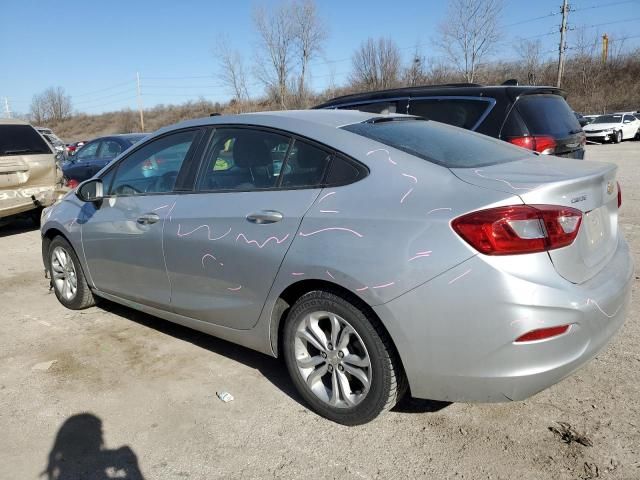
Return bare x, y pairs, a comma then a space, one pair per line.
456, 333
21, 200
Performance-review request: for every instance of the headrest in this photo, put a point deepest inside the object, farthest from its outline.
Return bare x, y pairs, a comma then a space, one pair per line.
310, 157
249, 150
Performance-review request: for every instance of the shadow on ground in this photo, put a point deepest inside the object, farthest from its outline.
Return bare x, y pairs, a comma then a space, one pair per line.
79, 452
273, 369
15, 225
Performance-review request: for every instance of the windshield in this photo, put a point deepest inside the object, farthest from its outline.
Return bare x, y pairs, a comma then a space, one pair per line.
608, 119
21, 140
439, 143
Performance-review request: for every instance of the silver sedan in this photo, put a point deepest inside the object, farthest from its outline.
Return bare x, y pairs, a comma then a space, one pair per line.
375, 254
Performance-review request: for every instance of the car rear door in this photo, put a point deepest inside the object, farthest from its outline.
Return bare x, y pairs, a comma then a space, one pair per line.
122, 235
225, 242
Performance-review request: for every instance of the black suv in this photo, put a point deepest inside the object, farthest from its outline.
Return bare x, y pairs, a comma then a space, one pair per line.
537, 118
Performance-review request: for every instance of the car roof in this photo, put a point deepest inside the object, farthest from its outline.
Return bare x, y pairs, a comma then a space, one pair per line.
461, 89
13, 121
285, 119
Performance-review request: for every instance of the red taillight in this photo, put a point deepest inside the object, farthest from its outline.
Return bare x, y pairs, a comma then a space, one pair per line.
619, 195
537, 143
519, 229
71, 183
542, 334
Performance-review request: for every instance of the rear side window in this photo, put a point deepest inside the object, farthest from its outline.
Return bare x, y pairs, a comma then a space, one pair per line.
439, 143
464, 113
547, 115
21, 140
306, 166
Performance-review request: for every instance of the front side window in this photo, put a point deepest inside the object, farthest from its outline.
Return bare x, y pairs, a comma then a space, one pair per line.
87, 152
463, 113
109, 149
153, 168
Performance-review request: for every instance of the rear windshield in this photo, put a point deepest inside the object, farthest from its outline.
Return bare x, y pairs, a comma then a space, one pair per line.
608, 119
548, 115
21, 140
439, 143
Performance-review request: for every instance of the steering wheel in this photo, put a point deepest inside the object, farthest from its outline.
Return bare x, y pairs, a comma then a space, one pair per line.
126, 189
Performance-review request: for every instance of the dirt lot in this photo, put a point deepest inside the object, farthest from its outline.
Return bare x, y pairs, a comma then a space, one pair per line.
153, 386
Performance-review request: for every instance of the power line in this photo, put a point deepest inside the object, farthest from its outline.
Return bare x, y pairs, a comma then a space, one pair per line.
601, 5
97, 99
103, 89
531, 20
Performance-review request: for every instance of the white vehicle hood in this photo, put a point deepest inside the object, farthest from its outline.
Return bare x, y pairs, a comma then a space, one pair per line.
600, 126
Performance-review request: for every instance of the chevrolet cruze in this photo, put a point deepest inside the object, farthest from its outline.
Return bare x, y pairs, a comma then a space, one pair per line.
377, 254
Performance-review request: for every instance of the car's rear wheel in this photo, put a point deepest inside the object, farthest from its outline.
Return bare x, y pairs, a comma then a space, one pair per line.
340, 358
67, 277
617, 138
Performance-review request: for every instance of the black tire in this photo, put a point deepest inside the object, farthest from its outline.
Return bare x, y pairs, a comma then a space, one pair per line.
82, 298
387, 379
617, 138
35, 215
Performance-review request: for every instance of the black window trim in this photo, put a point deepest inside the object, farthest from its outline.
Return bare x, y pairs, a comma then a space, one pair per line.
199, 130
490, 100
293, 137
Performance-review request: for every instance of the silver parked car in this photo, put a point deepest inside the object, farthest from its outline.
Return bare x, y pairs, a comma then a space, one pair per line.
375, 253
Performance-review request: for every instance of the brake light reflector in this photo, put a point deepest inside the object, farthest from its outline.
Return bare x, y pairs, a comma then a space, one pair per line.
538, 143
519, 229
619, 195
542, 334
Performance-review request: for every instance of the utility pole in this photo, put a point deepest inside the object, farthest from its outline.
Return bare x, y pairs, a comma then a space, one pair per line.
140, 103
605, 48
563, 44
7, 110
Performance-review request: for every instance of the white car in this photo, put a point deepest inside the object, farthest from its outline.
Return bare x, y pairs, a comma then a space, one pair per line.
615, 127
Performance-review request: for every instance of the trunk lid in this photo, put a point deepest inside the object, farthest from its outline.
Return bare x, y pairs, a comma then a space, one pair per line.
586, 186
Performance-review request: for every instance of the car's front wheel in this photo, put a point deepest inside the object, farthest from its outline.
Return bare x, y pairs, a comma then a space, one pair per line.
67, 278
340, 358
617, 138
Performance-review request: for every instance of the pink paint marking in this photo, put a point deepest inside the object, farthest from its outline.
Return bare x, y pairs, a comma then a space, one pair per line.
438, 209
297, 274
207, 255
362, 289
325, 196
501, 180
329, 211
208, 232
406, 195
459, 277
235, 289
170, 211
415, 180
591, 300
160, 208
302, 234
384, 285
421, 255
249, 242
329, 273
383, 150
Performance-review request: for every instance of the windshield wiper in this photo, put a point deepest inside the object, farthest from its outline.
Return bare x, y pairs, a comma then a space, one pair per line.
15, 152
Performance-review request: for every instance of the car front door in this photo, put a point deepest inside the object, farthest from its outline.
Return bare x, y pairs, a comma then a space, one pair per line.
122, 235
224, 243
629, 126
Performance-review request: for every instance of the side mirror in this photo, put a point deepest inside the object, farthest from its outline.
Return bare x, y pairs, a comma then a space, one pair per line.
90, 191
627, 121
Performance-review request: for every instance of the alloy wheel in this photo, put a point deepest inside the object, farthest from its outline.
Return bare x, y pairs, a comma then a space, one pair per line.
64, 273
332, 359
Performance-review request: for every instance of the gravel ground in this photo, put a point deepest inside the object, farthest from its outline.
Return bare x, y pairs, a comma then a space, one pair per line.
147, 389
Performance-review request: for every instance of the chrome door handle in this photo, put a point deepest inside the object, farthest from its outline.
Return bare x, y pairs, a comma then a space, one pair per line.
264, 216
148, 218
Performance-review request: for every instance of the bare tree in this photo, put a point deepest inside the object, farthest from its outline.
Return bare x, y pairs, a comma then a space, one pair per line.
232, 73
529, 53
414, 74
376, 64
52, 105
469, 33
277, 42
310, 32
